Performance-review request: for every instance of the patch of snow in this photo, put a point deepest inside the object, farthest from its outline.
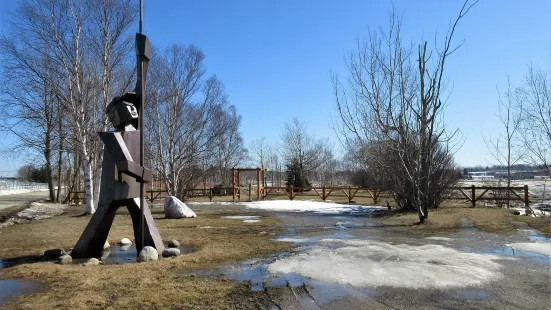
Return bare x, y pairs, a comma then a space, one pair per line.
294, 240
251, 221
242, 217
20, 191
210, 203
308, 206
368, 263
538, 247
439, 238
211, 227
35, 211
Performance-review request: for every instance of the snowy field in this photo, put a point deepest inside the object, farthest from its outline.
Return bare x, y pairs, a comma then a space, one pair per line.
372, 263
20, 191
309, 206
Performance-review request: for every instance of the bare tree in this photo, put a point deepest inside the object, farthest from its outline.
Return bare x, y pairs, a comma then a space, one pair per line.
182, 109
393, 109
85, 44
300, 146
229, 145
534, 97
506, 147
259, 152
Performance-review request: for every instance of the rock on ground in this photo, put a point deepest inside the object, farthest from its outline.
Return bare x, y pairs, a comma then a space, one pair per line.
91, 262
64, 259
125, 241
107, 245
173, 244
170, 252
148, 254
175, 209
54, 253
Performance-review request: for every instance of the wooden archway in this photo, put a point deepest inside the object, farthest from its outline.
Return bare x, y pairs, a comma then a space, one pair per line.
260, 182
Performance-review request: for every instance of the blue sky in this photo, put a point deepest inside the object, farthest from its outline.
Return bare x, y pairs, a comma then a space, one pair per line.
276, 57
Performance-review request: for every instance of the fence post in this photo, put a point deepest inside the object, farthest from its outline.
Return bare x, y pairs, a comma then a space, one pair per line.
526, 200
473, 196
292, 192
323, 193
210, 194
250, 190
349, 194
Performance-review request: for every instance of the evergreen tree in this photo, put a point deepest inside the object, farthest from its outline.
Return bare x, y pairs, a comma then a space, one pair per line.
295, 175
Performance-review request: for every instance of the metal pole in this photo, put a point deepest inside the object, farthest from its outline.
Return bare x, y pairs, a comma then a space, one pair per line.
142, 102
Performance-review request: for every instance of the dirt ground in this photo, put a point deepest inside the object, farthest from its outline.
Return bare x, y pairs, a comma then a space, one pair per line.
169, 284
154, 285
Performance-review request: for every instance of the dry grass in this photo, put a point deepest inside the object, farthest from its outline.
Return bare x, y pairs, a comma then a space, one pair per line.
448, 219
155, 285
9, 212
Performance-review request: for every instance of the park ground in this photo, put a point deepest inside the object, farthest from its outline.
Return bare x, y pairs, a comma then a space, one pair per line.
347, 257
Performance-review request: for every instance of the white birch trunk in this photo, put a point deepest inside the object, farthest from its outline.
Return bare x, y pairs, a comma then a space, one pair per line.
88, 186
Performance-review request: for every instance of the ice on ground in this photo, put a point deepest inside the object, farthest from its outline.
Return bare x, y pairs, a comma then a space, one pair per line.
20, 191
35, 211
295, 240
368, 263
439, 238
242, 217
538, 247
210, 203
308, 206
251, 221
211, 227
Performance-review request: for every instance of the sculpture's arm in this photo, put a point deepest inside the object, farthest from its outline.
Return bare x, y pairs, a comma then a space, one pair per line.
116, 147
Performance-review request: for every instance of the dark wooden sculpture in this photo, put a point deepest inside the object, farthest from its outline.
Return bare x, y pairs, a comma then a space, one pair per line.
123, 174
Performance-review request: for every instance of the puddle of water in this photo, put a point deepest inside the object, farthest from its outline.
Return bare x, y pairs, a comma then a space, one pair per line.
536, 236
1, 263
473, 294
12, 288
507, 251
117, 255
256, 273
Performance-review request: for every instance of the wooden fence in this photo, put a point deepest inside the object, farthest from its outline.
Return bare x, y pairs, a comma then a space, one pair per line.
472, 194
78, 197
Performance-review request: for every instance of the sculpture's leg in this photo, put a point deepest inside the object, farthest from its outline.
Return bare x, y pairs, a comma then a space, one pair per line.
94, 236
151, 234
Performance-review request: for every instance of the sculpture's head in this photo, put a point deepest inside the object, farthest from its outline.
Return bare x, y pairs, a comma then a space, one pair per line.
122, 111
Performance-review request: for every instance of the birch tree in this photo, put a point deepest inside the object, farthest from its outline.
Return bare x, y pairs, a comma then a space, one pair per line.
183, 105
84, 42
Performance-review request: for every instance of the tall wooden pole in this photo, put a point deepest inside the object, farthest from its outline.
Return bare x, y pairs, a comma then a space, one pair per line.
142, 102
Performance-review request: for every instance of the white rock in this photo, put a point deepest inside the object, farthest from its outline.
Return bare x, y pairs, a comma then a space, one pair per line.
125, 247
91, 262
107, 245
64, 259
173, 244
148, 254
125, 241
170, 252
175, 209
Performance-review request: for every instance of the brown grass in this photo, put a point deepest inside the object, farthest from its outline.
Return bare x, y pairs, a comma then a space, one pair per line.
154, 285
448, 219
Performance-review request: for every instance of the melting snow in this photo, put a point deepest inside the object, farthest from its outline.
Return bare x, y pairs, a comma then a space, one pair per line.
242, 217
439, 238
308, 206
538, 247
371, 263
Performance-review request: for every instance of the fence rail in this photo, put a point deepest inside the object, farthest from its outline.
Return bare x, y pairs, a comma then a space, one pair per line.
76, 197
473, 194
